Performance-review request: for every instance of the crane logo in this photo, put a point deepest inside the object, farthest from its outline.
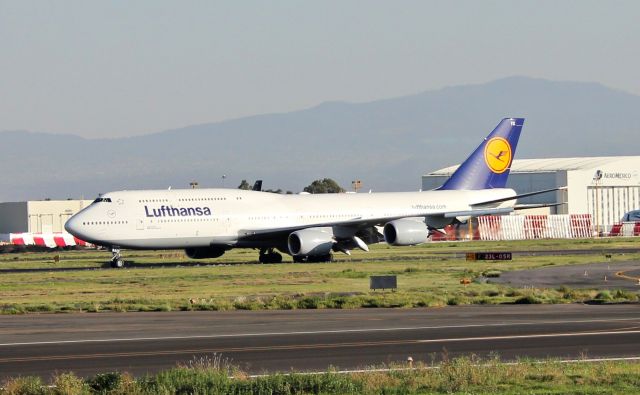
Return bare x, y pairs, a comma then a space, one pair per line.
497, 154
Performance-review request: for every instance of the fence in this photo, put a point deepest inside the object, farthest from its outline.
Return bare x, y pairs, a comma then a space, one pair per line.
527, 227
51, 240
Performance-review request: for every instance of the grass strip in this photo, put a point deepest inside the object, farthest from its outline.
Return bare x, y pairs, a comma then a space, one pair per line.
451, 376
428, 275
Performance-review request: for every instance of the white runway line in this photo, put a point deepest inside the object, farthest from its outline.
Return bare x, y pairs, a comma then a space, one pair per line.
221, 336
567, 361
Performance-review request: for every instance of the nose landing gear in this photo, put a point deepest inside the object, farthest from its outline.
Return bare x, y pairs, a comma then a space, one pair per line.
116, 259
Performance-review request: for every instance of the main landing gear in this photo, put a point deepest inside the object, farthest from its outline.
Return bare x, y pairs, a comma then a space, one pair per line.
116, 259
268, 255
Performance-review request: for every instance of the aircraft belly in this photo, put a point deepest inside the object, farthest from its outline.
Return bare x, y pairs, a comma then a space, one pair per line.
168, 243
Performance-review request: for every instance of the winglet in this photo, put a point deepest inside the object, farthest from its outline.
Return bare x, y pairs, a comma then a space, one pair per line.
489, 165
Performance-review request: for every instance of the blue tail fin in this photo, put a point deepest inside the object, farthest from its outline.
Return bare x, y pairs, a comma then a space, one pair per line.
489, 165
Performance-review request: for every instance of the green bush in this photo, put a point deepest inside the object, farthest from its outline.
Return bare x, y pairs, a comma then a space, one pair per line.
69, 384
624, 295
453, 301
528, 299
183, 380
105, 382
23, 386
281, 303
604, 296
339, 302
567, 293
492, 293
309, 302
512, 293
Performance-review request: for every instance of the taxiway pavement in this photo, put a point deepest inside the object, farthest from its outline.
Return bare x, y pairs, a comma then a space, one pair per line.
310, 340
607, 275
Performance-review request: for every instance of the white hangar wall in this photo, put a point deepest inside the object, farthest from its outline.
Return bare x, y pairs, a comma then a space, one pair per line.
38, 216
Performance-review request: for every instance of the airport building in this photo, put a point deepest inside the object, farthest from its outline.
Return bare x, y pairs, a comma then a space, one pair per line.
604, 187
42, 216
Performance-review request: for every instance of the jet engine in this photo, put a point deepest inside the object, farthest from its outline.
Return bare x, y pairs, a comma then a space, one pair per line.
405, 232
204, 252
311, 242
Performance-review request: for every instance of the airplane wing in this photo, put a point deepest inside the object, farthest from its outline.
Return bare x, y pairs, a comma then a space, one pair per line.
477, 209
359, 223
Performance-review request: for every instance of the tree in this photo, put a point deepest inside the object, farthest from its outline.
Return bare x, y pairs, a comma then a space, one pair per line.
326, 185
244, 185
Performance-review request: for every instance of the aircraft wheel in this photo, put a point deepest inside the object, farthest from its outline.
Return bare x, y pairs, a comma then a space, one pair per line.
272, 257
268, 255
117, 263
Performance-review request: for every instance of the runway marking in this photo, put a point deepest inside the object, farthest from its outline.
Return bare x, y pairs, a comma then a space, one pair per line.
624, 276
309, 346
536, 336
567, 361
321, 332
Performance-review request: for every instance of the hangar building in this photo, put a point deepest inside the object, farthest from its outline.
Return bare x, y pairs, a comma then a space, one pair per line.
42, 216
605, 187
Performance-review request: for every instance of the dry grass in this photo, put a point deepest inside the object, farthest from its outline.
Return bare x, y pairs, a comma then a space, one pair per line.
456, 376
428, 275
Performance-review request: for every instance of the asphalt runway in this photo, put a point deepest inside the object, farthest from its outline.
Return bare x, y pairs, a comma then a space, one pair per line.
310, 340
593, 275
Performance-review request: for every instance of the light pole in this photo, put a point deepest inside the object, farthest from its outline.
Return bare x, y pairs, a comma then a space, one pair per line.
224, 177
596, 181
357, 184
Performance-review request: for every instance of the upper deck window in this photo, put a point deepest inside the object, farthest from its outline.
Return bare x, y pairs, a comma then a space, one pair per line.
101, 199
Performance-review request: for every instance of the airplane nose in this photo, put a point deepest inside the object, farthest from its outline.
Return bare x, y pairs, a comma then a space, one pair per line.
74, 226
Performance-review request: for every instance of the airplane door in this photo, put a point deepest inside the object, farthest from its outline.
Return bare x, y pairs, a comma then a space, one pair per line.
140, 224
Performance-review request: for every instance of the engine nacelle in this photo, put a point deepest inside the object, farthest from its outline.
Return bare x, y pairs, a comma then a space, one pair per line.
405, 232
204, 252
311, 242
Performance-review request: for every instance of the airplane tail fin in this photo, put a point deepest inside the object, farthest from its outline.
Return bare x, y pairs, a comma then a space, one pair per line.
489, 165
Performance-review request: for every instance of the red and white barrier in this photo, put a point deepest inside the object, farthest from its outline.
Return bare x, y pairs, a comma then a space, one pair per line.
625, 229
527, 227
51, 240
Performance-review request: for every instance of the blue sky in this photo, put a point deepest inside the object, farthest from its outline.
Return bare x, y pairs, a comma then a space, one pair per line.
122, 68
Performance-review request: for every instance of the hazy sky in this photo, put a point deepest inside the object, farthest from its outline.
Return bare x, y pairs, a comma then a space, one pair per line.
121, 68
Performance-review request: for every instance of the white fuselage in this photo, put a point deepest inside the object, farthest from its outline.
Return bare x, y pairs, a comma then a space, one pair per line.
173, 219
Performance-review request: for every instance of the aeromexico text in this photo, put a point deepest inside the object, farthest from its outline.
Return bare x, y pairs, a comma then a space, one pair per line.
170, 211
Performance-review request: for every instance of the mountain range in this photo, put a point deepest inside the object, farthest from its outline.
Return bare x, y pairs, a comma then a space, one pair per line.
388, 144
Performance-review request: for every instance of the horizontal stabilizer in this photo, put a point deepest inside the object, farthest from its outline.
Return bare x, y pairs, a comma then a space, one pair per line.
517, 196
479, 212
541, 205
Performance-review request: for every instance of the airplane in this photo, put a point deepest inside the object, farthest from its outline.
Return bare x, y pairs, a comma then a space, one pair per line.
206, 223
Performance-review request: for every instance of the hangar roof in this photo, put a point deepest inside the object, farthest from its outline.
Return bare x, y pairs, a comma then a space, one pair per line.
552, 164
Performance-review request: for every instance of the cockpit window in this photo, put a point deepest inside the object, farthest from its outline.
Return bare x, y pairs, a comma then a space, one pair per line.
101, 199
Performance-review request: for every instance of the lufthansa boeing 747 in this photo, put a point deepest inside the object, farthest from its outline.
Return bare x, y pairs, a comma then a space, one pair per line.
208, 222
